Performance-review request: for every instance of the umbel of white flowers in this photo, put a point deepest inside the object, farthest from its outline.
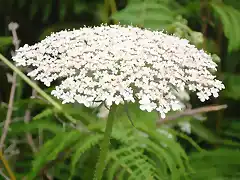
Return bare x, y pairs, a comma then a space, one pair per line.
118, 64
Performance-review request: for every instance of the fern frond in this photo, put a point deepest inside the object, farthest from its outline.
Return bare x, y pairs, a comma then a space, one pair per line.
81, 147
166, 158
121, 175
144, 172
122, 136
130, 161
51, 149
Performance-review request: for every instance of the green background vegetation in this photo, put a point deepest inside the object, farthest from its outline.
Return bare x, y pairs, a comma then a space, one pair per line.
47, 140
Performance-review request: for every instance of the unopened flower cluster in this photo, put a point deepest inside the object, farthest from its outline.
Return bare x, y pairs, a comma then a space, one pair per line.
118, 64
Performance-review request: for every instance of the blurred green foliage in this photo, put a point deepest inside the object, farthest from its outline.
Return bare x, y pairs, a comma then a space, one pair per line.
50, 146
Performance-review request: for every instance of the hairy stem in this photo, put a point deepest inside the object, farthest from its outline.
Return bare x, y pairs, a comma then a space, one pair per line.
105, 144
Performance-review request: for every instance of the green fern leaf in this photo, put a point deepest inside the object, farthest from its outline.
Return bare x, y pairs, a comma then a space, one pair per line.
164, 157
123, 161
173, 154
122, 136
51, 149
82, 147
132, 162
144, 172
168, 154
121, 175
68, 139
40, 158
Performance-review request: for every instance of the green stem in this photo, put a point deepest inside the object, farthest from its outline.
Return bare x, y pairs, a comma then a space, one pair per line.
104, 146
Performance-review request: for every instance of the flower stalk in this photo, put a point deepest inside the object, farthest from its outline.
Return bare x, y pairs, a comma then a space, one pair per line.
104, 147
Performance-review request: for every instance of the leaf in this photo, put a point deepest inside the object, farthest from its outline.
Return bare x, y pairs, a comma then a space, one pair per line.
171, 158
41, 159
81, 147
230, 18
132, 160
148, 13
164, 157
174, 151
51, 149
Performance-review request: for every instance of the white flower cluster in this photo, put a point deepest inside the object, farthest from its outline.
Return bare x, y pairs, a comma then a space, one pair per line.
118, 64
